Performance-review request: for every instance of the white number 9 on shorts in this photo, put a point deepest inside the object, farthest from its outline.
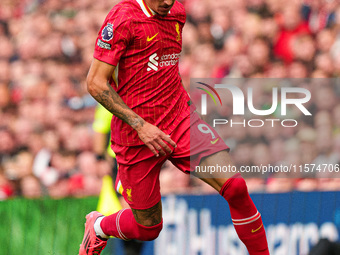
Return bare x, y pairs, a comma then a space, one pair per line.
205, 129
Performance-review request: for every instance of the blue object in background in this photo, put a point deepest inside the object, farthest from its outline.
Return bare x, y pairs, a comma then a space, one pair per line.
201, 225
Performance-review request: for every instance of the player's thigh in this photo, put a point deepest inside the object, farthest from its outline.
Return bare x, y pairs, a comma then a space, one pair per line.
215, 178
140, 185
201, 148
221, 167
195, 140
138, 182
141, 190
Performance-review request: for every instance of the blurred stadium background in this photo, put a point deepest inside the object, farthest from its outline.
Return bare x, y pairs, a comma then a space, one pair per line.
51, 175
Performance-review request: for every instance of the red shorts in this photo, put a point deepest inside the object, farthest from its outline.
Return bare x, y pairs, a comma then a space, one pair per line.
139, 168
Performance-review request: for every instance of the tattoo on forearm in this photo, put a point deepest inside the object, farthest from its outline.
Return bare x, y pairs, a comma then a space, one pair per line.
113, 103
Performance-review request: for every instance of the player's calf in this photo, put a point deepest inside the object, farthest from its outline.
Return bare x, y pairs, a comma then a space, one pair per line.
126, 224
246, 219
148, 233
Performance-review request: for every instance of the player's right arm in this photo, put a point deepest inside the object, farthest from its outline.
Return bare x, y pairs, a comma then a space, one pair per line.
99, 87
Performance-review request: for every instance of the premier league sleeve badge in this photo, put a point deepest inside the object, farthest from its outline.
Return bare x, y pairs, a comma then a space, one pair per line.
106, 35
107, 32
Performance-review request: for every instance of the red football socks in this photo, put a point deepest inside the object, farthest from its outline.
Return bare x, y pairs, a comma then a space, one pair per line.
246, 219
123, 225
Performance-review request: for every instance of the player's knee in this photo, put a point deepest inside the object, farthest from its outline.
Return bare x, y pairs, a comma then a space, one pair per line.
149, 233
234, 189
239, 187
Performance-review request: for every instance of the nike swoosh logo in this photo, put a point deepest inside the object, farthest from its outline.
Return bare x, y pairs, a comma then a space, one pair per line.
150, 38
213, 142
253, 231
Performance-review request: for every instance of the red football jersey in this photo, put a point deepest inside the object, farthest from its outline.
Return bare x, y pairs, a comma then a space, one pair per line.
145, 48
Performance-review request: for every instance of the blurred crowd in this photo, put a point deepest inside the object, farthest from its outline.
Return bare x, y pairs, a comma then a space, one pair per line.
46, 114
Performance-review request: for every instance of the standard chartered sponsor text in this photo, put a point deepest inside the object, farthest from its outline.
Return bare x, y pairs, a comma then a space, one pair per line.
169, 59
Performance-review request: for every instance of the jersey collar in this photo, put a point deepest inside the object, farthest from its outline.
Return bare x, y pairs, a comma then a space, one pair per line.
147, 11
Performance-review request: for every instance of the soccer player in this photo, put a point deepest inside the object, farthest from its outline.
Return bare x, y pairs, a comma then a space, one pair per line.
135, 76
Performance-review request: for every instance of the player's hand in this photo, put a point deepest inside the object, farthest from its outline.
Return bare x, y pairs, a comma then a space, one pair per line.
155, 139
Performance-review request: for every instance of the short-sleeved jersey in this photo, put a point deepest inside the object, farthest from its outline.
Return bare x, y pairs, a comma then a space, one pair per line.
145, 48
